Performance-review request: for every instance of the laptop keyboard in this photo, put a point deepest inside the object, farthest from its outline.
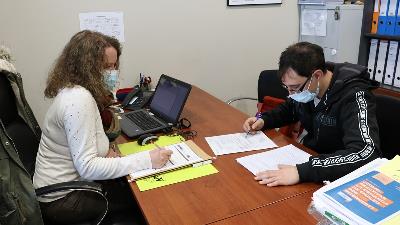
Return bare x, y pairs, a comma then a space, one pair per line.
143, 120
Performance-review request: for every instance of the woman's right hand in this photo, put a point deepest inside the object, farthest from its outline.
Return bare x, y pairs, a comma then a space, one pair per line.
253, 124
159, 157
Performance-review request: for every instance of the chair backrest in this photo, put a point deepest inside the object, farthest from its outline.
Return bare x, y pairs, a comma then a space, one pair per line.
270, 85
387, 115
17, 129
270, 95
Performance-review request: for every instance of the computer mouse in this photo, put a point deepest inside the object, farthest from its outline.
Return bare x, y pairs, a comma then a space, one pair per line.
145, 139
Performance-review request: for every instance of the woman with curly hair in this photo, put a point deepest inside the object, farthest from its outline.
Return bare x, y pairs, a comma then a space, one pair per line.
74, 145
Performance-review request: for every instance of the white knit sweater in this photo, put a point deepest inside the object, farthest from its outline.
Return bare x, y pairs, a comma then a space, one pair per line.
73, 144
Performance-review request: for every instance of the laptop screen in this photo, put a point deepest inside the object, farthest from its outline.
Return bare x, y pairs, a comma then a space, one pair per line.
169, 98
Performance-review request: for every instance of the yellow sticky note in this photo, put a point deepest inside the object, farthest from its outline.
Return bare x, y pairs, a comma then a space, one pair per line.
392, 168
134, 147
175, 176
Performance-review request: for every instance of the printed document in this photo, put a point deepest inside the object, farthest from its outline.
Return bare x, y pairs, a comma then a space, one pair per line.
269, 160
108, 23
239, 142
313, 22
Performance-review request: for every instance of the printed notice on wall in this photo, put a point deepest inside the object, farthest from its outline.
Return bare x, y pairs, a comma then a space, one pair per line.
313, 22
108, 23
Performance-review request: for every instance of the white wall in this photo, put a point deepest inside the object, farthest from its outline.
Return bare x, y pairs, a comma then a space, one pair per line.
217, 48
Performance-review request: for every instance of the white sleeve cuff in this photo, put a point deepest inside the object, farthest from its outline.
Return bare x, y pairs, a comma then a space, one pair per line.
140, 161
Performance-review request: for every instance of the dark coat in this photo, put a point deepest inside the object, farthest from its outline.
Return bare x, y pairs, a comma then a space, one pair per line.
18, 203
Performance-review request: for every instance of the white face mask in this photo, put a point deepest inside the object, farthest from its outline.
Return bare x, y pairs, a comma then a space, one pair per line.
306, 95
111, 79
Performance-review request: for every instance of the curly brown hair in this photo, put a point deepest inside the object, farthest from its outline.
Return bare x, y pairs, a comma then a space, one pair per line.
82, 63
115, 43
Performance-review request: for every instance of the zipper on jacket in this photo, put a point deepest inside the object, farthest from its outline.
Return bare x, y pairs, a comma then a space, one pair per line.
11, 140
28, 116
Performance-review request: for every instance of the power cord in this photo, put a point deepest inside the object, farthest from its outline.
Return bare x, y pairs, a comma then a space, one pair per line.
181, 129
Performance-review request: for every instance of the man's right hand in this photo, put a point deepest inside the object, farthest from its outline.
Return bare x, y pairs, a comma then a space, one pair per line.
253, 124
159, 157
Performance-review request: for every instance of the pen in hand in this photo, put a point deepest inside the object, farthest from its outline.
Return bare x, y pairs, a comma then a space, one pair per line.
163, 155
258, 116
159, 150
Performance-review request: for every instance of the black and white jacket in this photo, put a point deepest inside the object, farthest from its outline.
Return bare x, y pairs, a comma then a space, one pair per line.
342, 128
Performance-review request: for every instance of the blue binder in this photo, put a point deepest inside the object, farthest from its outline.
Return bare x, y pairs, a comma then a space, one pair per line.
382, 21
397, 23
391, 17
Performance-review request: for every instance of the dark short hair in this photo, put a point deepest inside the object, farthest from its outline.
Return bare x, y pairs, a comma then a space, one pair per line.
303, 57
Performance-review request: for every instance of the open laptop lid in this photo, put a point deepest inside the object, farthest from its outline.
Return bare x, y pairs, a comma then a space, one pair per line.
169, 98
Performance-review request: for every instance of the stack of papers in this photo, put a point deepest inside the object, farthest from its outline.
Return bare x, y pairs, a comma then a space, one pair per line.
269, 160
170, 177
239, 142
368, 195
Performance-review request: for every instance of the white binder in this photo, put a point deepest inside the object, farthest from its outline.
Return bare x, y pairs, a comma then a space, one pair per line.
380, 62
391, 62
372, 57
396, 80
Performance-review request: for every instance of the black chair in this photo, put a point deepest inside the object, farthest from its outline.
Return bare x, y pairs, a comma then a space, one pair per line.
387, 115
268, 85
271, 93
26, 142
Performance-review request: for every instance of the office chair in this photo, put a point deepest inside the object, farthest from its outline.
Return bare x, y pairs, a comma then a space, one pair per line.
270, 95
26, 141
387, 115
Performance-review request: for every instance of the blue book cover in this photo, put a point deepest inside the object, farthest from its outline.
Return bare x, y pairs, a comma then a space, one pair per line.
373, 196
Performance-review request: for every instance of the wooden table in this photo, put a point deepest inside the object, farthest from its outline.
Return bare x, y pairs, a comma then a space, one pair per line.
231, 191
289, 211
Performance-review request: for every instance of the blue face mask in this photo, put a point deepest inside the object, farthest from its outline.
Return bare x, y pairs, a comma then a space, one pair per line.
306, 95
111, 79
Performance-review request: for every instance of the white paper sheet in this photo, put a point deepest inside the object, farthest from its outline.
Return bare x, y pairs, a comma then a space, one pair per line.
239, 142
108, 23
269, 160
313, 22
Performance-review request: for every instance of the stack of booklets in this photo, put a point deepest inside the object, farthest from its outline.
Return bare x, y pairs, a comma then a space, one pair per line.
368, 195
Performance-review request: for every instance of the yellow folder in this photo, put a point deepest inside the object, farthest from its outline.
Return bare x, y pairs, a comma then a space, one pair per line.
375, 17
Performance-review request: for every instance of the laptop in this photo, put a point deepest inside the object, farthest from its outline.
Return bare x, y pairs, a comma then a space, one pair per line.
165, 109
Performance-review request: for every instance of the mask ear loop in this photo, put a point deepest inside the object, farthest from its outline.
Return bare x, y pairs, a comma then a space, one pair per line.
317, 91
309, 84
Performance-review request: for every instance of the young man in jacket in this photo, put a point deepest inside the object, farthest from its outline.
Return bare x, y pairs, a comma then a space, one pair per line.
334, 105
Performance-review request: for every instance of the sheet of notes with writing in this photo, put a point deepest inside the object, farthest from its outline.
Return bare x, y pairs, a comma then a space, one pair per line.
239, 142
269, 160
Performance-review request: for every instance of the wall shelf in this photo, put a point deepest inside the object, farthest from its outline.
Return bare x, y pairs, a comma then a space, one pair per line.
384, 37
365, 39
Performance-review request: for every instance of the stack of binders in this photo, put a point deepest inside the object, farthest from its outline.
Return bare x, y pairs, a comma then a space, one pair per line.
383, 61
386, 18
